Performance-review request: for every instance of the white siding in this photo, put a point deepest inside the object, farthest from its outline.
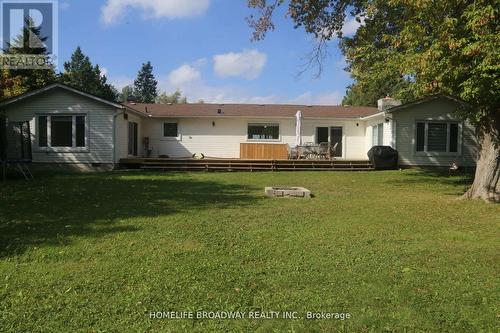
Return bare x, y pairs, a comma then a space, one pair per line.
122, 135
388, 128
58, 101
199, 135
441, 110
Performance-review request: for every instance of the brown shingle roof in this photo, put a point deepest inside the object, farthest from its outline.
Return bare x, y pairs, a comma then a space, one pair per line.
250, 110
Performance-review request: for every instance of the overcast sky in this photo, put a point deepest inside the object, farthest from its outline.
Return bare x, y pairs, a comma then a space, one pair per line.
202, 47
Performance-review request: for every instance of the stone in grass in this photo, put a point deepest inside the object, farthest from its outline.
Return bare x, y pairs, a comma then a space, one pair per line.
287, 192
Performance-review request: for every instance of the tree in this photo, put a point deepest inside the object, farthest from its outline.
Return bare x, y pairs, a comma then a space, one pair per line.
174, 98
127, 94
80, 73
145, 86
368, 93
440, 46
14, 82
10, 86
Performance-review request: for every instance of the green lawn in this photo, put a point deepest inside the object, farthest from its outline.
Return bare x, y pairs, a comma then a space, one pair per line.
99, 252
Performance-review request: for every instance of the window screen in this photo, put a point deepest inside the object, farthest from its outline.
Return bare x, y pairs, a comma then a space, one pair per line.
436, 137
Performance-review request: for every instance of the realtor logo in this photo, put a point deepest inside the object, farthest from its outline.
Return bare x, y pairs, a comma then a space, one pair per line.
28, 34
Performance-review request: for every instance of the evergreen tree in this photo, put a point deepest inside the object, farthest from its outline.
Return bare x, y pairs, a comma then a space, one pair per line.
145, 86
17, 81
80, 73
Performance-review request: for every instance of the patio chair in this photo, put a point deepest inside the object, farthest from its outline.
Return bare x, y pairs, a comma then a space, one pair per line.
333, 150
323, 150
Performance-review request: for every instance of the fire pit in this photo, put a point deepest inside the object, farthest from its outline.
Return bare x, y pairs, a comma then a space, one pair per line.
289, 192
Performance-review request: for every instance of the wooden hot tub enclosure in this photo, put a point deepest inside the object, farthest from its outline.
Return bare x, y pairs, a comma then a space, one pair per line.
263, 151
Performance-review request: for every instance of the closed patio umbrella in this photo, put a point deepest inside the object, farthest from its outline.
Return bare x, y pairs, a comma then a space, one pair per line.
298, 129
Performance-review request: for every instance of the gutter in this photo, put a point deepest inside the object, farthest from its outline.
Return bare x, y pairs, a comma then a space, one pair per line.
252, 117
381, 113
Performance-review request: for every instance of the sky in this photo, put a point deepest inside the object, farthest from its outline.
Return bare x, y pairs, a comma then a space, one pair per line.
201, 47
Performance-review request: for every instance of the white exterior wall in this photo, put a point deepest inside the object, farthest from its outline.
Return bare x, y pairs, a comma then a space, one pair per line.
389, 138
99, 119
122, 135
198, 135
440, 110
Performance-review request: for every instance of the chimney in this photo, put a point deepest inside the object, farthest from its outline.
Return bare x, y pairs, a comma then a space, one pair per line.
386, 103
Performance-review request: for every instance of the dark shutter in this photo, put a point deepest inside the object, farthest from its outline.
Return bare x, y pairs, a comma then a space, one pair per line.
80, 131
453, 138
42, 131
420, 136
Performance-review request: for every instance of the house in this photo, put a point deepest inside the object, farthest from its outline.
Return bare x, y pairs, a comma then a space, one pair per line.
62, 125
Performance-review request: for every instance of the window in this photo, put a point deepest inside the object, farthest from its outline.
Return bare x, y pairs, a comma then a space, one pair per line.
440, 137
322, 134
378, 135
62, 131
170, 130
263, 131
332, 135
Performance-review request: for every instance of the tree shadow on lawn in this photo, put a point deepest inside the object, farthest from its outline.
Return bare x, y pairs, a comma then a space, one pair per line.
460, 181
55, 209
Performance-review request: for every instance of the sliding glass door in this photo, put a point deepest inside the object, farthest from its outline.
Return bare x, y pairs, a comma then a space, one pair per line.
333, 135
336, 135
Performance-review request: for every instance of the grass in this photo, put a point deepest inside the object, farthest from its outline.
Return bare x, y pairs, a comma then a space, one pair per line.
99, 252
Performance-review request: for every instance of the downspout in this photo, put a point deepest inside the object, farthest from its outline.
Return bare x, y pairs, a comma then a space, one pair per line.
114, 136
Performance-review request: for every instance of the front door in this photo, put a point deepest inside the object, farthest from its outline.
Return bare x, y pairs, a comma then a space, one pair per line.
132, 139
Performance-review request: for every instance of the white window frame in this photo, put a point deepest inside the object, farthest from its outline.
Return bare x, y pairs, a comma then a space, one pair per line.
171, 138
260, 123
425, 152
49, 147
379, 127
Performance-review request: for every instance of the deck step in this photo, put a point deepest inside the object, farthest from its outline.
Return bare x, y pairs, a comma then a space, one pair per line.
244, 165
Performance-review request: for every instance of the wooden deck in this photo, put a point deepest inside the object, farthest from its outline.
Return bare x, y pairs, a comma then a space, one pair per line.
164, 164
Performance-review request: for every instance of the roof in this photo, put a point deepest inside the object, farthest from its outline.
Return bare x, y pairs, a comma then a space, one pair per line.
58, 86
426, 100
250, 110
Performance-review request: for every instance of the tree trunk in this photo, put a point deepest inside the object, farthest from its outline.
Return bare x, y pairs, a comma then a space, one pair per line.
486, 184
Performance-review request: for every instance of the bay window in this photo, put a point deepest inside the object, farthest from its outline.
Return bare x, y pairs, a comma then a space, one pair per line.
439, 137
62, 131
